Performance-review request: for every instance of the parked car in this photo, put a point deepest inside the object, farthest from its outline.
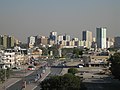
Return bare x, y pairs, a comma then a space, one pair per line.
31, 67
80, 65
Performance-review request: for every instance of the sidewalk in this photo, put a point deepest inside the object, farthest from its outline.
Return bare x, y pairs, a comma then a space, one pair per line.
9, 82
32, 86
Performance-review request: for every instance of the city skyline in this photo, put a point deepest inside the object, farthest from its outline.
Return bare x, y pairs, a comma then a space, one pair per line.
25, 18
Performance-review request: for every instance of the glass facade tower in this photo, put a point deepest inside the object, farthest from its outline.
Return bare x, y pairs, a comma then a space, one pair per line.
101, 37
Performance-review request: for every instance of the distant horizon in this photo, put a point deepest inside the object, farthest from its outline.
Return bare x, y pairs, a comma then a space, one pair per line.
24, 18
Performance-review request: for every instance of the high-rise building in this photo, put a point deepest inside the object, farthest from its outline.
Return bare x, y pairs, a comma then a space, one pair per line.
66, 37
109, 42
31, 41
1, 40
43, 40
7, 41
60, 38
53, 37
101, 37
10, 41
117, 42
87, 36
4, 41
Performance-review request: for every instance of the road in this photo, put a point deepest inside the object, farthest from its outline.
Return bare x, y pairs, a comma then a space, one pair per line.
18, 85
54, 71
30, 78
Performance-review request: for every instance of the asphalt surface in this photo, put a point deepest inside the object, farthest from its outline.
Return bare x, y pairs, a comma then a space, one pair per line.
19, 85
31, 78
54, 71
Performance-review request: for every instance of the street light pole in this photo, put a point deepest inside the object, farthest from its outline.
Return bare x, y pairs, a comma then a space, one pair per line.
24, 79
5, 81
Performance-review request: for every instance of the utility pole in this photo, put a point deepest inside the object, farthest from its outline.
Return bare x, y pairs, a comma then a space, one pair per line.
24, 80
5, 80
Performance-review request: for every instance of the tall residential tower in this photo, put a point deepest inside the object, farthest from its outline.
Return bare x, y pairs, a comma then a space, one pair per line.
101, 37
87, 38
53, 36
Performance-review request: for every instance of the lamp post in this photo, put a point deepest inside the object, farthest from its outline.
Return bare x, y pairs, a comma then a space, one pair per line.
24, 81
5, 80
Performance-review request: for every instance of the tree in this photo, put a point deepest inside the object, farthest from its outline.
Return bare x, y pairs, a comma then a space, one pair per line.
72, 71
81, 53
67, 52
71, 82
54, 48
8, 72
65, 82
115, 67
2, 74
44, 51
76, 52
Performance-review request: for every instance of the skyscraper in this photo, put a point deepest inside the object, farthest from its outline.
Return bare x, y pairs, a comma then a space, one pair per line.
87, 36
10, 41
53, 36
117, 42
43, 40
7, 41
4, 41
32, 41
60, 38
66, 37
101, 37
1, 40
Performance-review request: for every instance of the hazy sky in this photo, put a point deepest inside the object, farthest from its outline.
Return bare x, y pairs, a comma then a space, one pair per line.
23, 18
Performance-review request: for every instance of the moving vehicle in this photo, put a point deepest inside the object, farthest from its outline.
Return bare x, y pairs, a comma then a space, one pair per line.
80, 65
31, 67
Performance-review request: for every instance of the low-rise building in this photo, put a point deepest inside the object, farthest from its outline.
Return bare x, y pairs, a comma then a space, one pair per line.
8, 60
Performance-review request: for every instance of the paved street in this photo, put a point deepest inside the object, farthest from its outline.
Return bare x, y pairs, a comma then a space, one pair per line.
18, 85
33, 85
16, 80
54, 71
17, 76
91, 78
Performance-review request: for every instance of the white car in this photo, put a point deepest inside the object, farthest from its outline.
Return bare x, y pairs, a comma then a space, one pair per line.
80, 66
